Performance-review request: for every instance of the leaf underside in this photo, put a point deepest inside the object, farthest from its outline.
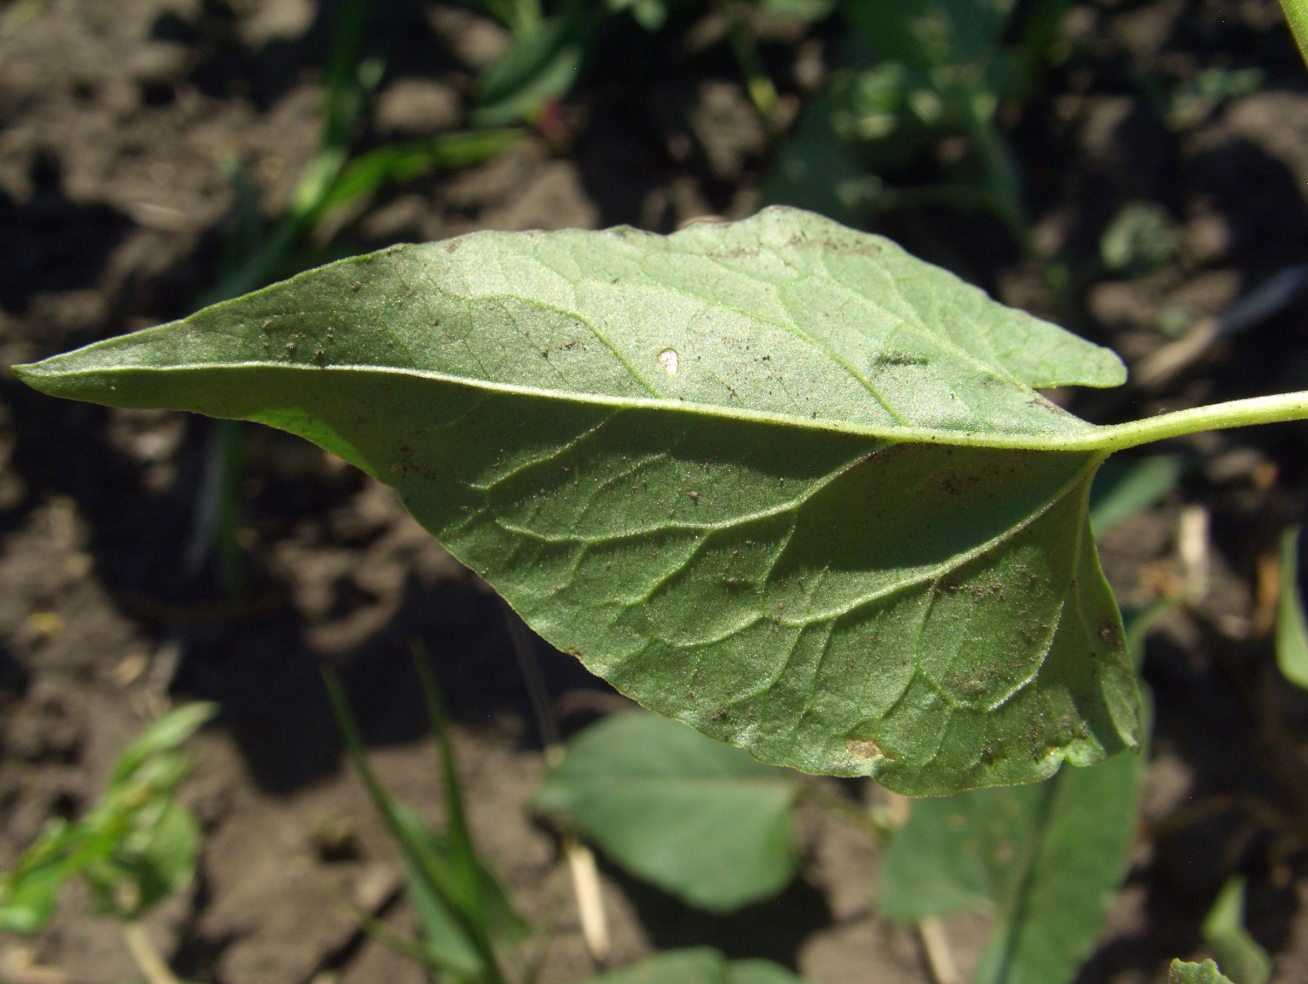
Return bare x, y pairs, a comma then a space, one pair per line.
777, 478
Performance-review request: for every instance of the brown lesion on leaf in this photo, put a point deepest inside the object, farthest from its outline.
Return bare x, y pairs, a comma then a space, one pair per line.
867, 750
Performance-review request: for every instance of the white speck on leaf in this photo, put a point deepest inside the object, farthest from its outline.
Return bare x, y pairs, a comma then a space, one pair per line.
668, 359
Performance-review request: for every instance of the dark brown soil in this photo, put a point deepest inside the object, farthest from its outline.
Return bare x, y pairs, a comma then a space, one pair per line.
116, 123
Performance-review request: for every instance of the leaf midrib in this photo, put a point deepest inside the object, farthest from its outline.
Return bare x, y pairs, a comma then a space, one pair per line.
1094, 438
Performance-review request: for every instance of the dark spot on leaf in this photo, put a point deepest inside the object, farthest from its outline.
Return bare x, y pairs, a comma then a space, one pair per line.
900, 359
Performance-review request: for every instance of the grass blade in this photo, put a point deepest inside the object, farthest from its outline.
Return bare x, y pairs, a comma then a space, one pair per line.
1291, 623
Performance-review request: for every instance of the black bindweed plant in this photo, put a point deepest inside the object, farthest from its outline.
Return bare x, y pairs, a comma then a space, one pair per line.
777, 478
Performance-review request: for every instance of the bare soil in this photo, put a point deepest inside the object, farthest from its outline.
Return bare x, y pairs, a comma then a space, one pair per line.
117, 121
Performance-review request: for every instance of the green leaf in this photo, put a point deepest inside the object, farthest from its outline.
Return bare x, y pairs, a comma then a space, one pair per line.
778, 479
30, 895
700, 819
1243, 960
1046, 858
759, 972
808, 10
446, 942
649, 14
960, 852
1296, 12
135, 846
700, 965
1291, 624
160, 856
400, 162
1139, 239
494, 910
1193, 973
930, 32
541, 66
165, 735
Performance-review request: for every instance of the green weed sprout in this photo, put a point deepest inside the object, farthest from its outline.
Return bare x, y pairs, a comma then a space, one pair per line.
465, 916
135, 847
462, 908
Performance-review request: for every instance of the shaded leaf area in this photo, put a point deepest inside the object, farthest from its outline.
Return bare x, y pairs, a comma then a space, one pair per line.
699, 819
746, 473
700, 965
1046, 858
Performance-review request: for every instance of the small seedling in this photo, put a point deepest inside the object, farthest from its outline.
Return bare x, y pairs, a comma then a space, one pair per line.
465, 915
462, 908
136, 846
549, 51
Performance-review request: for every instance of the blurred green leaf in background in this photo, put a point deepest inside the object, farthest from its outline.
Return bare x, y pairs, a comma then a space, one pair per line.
695, 817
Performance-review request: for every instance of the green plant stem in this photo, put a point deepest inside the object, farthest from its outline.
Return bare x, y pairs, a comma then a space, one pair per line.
1277, 409
1220, 416
343, 95
146, 956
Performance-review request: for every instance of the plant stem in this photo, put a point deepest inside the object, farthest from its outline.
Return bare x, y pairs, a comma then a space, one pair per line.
1238, 413
146, 956
939, 956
